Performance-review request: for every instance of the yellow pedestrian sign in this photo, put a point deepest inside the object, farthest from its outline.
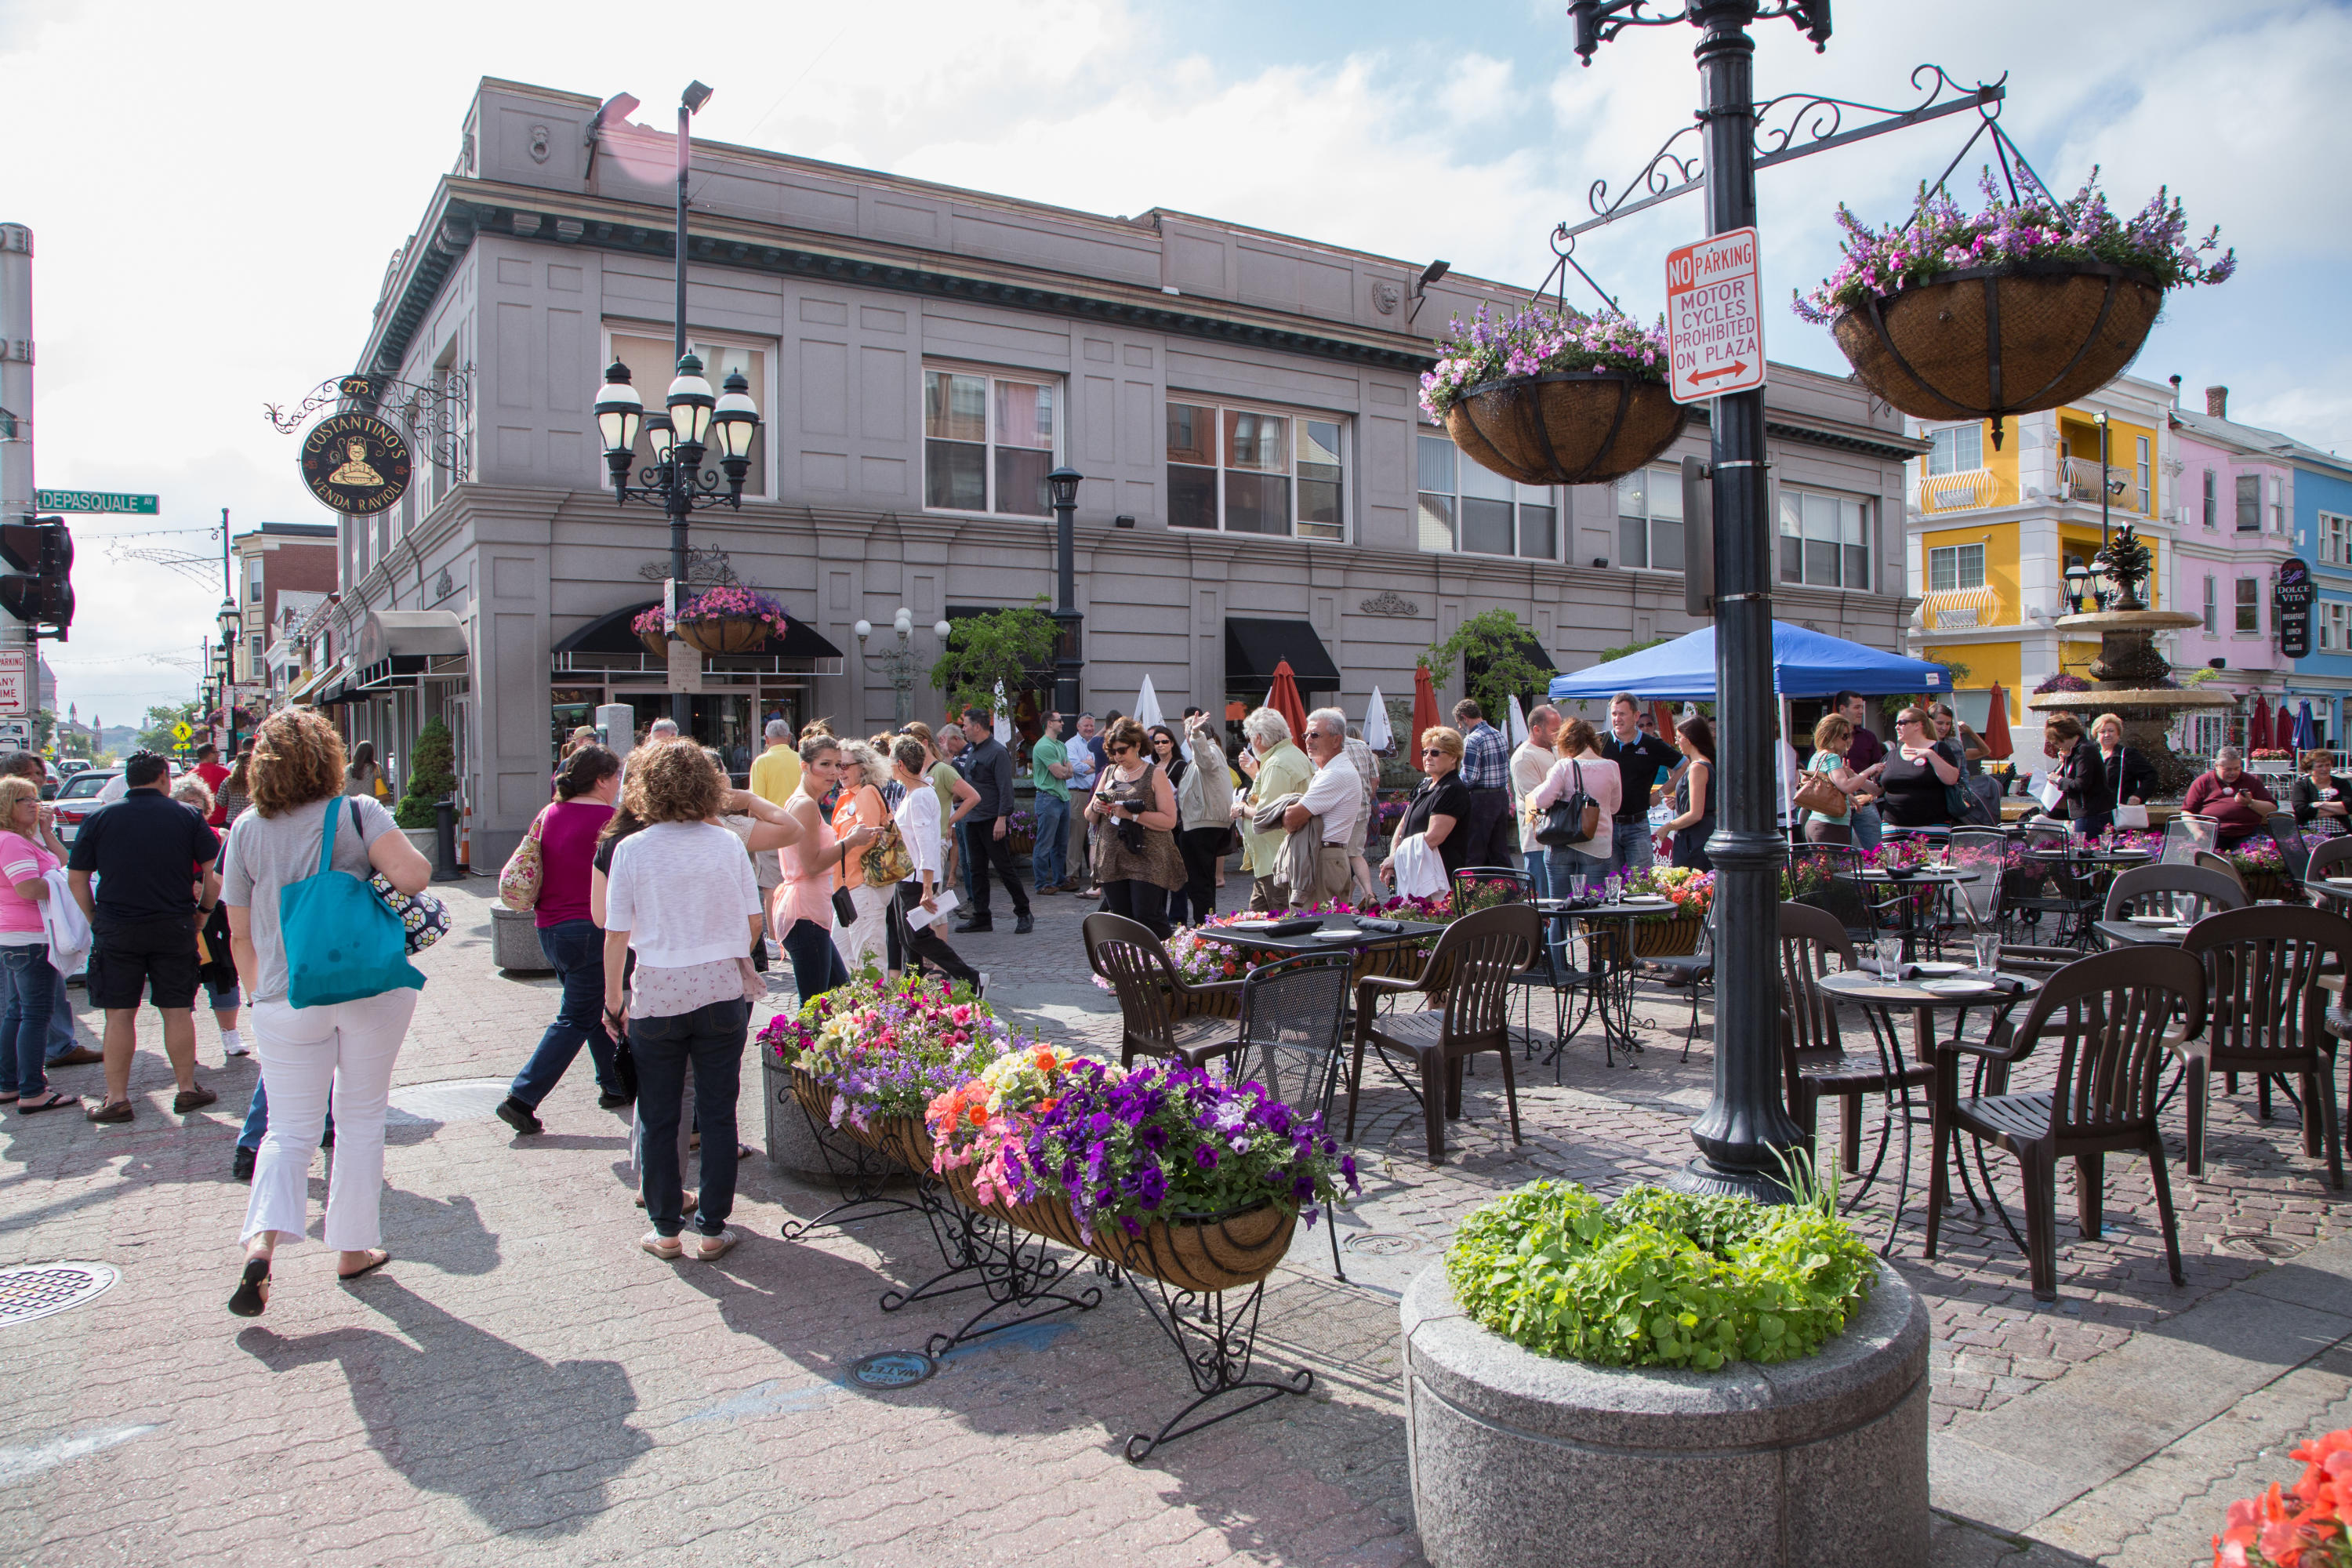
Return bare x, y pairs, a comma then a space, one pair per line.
180, 733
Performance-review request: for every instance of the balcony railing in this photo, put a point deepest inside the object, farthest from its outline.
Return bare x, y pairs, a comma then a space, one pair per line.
2078, 480
1956, 492
1960, 609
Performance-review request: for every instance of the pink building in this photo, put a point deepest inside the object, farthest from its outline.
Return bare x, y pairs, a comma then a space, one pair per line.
2234, 526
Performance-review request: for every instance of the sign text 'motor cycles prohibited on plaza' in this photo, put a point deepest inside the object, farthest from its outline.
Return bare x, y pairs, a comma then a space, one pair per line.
1715, 318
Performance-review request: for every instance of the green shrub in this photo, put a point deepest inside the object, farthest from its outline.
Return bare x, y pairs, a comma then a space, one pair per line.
432, 775
1658, 1278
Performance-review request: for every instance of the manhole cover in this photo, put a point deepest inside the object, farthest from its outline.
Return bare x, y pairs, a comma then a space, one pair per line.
454, 1099
893, 1369
37, 1290
1384, 1244
2261, 1246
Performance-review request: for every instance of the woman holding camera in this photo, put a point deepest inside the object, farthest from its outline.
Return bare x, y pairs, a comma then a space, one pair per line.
1135, 857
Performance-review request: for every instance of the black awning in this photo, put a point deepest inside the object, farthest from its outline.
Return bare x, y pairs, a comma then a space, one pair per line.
610, 634
1254, 646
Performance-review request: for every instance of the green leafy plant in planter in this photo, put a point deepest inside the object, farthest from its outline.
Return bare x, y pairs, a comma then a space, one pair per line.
1659, 1278
432, 775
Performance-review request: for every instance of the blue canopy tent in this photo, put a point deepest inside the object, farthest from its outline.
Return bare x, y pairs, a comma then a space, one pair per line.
1804, 664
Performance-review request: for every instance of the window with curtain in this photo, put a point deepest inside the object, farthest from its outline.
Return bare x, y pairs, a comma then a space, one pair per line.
2249, 605
1824, 539
2335, 542
2212, 503
652, 368
2212, 608
2278, 505
989, 441
1464, 507
2333, 613
1249, 470
2250, 503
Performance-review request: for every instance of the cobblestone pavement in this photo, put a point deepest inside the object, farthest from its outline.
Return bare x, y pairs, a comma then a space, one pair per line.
523, 1384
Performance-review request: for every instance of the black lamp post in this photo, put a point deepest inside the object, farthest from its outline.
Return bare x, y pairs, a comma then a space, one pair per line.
1068, 660
1746, 1124
229, 629
692, 422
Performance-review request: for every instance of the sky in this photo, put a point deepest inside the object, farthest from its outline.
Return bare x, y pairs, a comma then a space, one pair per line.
215, 190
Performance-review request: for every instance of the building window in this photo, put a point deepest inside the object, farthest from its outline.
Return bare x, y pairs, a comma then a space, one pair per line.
989, 442
1957, 450
1650, 520
2278, 506
2250, 503
2212, 503
2249, 605
1825, 540
1953, 567
2335, 539
2147, 477
1246, 471
2212, 612
1468, 508
652, 368
2333, 616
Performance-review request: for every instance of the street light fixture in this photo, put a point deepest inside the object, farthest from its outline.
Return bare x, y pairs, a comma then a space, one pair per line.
2078, 582
897, 664
692, 421
229, 628
1063, 485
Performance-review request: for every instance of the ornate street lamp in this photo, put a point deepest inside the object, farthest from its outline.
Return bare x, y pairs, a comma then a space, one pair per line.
1063, 485
691, 422
897, 664
229, 629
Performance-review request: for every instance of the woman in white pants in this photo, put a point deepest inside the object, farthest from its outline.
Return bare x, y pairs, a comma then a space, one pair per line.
345, 1049
863, 776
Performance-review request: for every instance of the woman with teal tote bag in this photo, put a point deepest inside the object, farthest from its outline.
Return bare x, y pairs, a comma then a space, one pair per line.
332, 988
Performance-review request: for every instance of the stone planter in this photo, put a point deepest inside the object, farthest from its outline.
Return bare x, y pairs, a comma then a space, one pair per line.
794, 1146
514, 942
426, 839
1518, 1458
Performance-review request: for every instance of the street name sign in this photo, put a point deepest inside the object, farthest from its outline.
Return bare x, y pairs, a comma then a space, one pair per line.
1715, 318
95, 500
15, 683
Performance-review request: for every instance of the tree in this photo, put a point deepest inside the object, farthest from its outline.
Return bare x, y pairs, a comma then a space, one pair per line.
45, 729
1492, 647
432, 775
155, 734
1005, 648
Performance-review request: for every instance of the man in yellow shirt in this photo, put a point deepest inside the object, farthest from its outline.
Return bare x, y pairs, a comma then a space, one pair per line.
1276, 767
776, 771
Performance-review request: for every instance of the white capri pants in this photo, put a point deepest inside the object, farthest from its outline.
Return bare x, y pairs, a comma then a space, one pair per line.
868, 936
347, 1049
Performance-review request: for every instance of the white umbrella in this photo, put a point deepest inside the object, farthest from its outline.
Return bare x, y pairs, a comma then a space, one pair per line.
1518, 731
1376, 723
1004, 729
1146, 706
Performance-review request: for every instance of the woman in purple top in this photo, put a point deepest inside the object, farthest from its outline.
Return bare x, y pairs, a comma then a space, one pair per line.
586, 788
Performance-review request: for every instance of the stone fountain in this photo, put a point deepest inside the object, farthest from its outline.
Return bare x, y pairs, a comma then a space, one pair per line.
2127, 677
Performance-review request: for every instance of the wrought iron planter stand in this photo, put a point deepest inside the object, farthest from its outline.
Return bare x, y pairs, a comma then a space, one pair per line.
986, 1252
1218, 1343
861, 1179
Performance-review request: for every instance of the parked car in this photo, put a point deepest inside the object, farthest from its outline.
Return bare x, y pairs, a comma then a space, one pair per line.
66, 767
77, 798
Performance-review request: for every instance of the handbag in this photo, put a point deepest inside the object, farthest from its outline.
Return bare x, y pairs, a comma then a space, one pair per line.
424, 919
519, 880
342, 943
1818, 794
2126, 816
1574, 819
887, 862
844, 908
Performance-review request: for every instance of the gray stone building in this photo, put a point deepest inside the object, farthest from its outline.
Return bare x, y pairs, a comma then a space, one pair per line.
1243, 404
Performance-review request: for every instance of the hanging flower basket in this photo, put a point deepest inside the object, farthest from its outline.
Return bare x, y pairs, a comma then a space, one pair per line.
730, 619
1205, 1252
1566, 427
1554, 399
1989, 342
731, 634
648, 624
2020, 307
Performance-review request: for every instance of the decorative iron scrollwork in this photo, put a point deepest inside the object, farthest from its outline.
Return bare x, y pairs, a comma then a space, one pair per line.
438, 414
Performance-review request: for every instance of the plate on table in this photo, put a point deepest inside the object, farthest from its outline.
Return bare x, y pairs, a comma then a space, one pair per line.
1933, 970
1276, 928
2149, 920
1956, 986
2173, 931
1349, 934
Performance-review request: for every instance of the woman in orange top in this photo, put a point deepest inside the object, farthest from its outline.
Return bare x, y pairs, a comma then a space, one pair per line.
862, 774
803, 911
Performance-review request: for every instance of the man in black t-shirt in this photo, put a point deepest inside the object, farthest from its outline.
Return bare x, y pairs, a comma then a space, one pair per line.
1640, 759
158, 877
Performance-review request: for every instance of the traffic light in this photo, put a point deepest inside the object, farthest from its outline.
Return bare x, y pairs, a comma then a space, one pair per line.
39, 593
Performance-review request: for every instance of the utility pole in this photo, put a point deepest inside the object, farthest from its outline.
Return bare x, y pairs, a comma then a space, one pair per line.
16, 417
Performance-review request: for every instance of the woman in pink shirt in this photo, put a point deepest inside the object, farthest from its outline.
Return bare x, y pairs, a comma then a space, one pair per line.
802, 912
567, 828
29, 851
1581, 765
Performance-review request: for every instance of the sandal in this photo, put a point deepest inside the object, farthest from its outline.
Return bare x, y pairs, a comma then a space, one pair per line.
55, 1101
378, 1259
253, 1291
8, 1098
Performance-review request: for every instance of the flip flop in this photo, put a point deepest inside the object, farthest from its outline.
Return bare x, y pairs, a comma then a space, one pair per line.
55, 1101
357, 1273
248, 1301
7, 1098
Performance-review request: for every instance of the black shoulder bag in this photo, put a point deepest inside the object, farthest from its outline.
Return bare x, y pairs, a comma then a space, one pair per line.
1574, 818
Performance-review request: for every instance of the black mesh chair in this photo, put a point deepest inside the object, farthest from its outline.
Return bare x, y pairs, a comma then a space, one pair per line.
2184, 834
2267, 1017
1479, 888
1694, 969
1293, 1035
2294, 850
2051, 883
1828, 877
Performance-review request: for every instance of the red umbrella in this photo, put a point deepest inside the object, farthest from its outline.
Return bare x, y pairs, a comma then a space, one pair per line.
1284, 698
2258, 733
1424, 710
1996, 729
2286, 741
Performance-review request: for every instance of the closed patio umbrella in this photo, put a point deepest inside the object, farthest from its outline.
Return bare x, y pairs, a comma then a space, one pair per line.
1996, 729
1146, 706
1425, 710
2285, 726
2306, 728
1376, 723
1517, 732
2258, 729
1284, 698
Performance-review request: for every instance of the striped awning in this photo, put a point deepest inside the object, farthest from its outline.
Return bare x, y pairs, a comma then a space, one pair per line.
1958, 608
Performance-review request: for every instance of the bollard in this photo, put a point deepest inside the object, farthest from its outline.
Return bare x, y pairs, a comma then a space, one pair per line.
445, 842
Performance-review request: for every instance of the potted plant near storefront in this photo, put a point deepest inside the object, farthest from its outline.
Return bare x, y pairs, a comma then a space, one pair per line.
731, 618
2022, 306
1552, 398
432, 778
1746, 1380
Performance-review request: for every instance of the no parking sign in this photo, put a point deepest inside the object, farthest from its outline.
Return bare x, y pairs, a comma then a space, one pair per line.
1715, 318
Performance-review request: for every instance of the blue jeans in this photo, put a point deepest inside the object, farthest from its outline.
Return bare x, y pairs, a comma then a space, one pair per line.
1052, 855
257, 1120
576, 950
33, 985
816, 964
1630, 850
711, 1037
61, 1023
1866, 826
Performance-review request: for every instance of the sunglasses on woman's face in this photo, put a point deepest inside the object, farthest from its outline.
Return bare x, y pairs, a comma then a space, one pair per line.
1433, 751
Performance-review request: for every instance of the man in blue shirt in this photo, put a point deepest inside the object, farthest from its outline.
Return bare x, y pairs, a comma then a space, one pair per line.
1486, 774
1866, 757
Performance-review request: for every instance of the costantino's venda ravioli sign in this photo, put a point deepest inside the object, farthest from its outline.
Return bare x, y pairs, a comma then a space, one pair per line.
1714, 318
